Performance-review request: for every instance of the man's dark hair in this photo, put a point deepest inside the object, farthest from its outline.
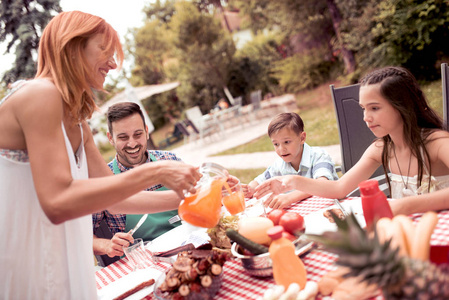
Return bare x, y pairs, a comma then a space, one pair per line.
122, 110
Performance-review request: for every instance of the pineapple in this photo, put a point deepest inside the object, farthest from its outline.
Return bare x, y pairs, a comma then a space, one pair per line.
378, 263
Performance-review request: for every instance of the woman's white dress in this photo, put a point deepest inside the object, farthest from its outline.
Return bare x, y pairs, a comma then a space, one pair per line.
40, 260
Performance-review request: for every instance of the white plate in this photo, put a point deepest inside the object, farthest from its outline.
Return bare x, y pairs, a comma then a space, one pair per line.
317, 223
128, 282
179, 236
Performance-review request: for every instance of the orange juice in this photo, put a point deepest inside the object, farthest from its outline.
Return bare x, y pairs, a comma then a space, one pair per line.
235, 202
203, 208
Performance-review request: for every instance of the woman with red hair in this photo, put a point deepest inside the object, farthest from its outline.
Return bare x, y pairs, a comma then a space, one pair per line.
52, 176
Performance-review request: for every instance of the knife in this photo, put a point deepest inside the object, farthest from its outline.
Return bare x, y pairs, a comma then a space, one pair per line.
144, 217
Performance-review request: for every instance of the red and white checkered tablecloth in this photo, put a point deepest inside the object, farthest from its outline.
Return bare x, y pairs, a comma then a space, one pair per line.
237, 284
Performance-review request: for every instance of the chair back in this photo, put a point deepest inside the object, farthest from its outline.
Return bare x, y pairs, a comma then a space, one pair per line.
238, 101
195, 115
355, 136
445, 86
105, 233
256, 97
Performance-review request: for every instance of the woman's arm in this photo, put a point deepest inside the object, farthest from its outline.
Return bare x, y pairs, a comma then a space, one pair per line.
63, 198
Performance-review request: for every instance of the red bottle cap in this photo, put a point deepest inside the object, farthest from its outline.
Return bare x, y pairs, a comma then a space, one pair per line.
275, 232
369, 187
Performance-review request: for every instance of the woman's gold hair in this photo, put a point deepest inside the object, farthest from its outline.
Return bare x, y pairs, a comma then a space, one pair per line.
61, 57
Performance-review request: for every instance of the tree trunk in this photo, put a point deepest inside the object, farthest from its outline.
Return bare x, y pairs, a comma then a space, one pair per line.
348, 55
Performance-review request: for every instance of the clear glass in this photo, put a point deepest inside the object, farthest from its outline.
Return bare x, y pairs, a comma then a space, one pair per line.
233, 198
138, 256
255, 208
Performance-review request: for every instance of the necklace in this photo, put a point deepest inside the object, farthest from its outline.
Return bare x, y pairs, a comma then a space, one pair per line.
405, 191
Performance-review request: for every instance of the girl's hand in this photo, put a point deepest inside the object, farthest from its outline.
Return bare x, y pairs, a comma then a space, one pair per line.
275, 185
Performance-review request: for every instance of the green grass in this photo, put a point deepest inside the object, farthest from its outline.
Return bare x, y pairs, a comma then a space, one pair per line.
246, 175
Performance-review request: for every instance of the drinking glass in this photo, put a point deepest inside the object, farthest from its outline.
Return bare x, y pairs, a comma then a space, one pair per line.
233, 197
137, 255
255, 208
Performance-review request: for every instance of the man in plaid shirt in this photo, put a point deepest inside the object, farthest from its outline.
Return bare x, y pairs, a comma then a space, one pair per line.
128, 134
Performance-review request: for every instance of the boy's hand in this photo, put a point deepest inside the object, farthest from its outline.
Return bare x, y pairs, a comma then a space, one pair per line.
280, 201
248, 191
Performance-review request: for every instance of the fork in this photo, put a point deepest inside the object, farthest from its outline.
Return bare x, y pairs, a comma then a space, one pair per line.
337, 202
174, 219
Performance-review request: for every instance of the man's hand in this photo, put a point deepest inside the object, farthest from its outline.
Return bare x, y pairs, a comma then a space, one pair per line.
114, 247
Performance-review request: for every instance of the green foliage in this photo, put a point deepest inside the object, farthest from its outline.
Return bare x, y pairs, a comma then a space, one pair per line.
150, 47
302, 71
409, 33
162, 11
252, 66
205, 53
21, 24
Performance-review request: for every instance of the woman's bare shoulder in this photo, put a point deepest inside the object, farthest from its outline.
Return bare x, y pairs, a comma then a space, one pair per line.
38, 87
38, 100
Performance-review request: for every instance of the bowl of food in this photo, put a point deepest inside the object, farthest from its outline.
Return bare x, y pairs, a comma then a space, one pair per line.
196, 274
261, 265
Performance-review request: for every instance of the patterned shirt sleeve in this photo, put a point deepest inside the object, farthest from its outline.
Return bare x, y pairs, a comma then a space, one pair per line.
323, 165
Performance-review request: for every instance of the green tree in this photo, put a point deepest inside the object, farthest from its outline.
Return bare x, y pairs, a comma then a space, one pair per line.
150, 48
21, 25
411, 33
205, 53
253, 66
305, 25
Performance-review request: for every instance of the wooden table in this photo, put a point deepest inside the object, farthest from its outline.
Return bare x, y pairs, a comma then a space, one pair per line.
237, 284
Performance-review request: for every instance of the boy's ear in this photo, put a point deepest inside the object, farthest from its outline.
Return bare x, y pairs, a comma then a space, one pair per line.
303, 137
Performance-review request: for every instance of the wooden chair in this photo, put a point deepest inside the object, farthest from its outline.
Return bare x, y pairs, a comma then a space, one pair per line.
355, 136
445, 86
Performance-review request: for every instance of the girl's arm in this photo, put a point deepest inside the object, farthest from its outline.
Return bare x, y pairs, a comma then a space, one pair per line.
362, 170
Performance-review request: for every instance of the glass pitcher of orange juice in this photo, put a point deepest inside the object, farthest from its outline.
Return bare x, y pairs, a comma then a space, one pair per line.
203, 208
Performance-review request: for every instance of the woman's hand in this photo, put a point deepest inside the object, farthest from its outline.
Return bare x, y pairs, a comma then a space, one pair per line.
178, 176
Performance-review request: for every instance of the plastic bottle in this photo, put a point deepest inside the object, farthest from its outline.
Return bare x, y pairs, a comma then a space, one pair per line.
287, 266
374, 202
